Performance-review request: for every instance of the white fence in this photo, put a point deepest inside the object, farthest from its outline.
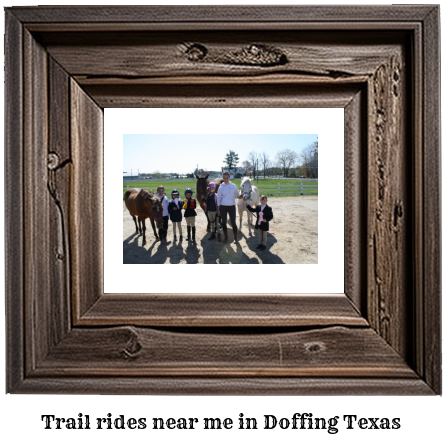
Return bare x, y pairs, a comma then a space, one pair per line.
307, 188
310, 188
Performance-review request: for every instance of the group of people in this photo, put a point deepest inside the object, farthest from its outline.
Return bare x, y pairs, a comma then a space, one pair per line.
219, 204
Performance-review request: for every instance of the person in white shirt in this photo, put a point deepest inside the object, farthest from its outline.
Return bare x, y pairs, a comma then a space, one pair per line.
227, 192
164, 231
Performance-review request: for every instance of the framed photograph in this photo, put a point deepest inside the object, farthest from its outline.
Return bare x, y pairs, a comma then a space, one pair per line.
65, 65
307, 230
274, 174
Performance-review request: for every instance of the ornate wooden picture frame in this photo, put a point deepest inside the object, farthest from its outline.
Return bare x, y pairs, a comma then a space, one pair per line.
65, 64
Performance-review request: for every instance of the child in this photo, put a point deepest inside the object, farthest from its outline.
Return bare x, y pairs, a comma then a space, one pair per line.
165, 203
189, 206
175, 214
264, 215
211, 207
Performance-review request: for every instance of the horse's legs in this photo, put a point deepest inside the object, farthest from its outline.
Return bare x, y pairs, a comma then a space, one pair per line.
240, 213
153, 227
135, 222
140, 225
144, 230
249, 221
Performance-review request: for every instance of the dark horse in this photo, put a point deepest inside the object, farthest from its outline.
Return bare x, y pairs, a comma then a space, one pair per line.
144, 204
202, 194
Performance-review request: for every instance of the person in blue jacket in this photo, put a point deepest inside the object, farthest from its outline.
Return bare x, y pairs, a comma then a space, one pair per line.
175, 213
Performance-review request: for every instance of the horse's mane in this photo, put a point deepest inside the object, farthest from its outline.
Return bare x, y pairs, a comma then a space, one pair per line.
146, 194
246, 179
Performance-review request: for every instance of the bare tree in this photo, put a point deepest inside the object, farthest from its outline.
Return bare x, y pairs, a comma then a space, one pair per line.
254, 158
293, 158
286, 159
247, 166
265, 161
309, 160
275, 168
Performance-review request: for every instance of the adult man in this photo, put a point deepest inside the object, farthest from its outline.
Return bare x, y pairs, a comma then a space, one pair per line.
227, 192
164, 230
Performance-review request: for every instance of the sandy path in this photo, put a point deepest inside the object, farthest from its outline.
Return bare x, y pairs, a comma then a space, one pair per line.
293, 238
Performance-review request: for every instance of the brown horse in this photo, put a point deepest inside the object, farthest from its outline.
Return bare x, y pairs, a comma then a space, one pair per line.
144, 204
202, 192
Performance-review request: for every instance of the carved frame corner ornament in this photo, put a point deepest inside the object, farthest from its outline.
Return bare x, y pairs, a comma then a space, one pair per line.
379, 63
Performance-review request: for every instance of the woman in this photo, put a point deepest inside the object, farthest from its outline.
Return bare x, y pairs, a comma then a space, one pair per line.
226, 195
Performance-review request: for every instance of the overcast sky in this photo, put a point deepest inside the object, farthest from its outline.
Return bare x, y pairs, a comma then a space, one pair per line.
175, 153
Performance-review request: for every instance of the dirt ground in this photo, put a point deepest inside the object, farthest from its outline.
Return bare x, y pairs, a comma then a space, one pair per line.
293, 238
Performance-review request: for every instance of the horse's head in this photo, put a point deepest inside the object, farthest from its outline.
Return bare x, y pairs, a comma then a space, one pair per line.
202, 186
246, 188
157, 210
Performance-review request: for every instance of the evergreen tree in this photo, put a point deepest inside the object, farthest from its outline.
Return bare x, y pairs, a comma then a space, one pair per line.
231, 160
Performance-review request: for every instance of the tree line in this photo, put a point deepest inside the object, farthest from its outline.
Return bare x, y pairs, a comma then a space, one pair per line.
286, 163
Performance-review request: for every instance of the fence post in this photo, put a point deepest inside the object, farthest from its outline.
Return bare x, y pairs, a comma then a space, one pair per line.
301, 188
278, 189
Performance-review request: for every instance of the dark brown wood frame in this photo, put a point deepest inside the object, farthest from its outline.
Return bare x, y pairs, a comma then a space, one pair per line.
64, 65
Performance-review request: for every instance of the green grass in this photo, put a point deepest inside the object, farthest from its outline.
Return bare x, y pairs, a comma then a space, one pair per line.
169, 184
191, 182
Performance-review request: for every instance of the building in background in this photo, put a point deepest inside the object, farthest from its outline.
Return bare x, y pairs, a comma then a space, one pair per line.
236, 172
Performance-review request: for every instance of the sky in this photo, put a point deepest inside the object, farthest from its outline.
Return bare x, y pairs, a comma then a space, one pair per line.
182, 153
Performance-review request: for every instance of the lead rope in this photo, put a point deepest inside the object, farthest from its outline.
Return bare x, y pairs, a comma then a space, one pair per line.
249, 195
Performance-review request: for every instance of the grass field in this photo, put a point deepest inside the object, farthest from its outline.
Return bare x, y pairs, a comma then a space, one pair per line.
267, 186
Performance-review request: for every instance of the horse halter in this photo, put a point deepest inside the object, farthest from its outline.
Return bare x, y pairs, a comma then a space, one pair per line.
204, 193
247, 195
202, 187
157, 218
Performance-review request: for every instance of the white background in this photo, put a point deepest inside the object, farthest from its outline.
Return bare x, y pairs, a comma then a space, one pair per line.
20, 414
328, 123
